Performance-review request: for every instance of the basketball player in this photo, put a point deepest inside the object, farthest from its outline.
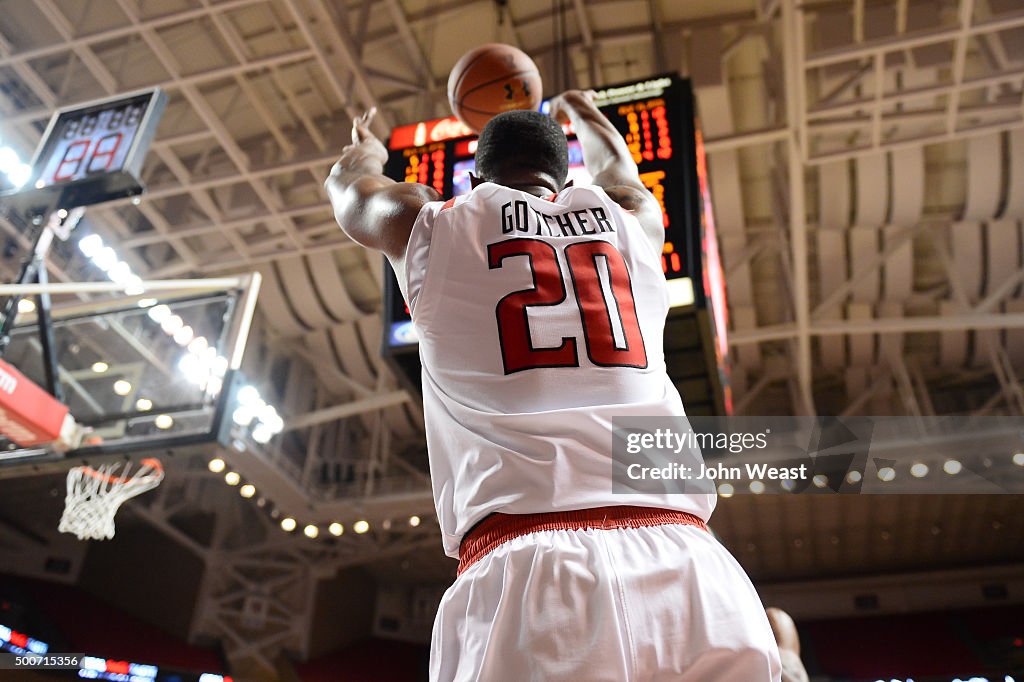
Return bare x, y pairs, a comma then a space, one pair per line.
540, 311
788, 640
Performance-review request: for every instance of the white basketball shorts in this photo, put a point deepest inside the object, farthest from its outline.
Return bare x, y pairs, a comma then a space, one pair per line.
644, 604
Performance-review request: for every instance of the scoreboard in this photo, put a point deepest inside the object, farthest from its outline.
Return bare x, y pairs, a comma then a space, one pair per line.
657, 119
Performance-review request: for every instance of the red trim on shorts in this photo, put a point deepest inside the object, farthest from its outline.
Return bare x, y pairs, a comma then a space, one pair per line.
552, 197
448, 204
498, 529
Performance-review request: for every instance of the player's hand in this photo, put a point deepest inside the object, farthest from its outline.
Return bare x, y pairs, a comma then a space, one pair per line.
367, 154
364, 138
561, 107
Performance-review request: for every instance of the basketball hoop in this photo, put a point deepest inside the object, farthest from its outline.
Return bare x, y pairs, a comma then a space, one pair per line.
94, 496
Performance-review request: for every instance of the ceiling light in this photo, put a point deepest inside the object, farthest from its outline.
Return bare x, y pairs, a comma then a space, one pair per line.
886, 474
100, 367
133, 285
232, 478
90, 245
8, 160
26, 306
262, 434
247, 490
756, 487
311, 531
1018, 459
143, 404
159, 313
919, 470
219, 366
122, 387
288, 524
853, 477
183, 335
216, 465
147, 302
105, 258
336, 529
198, 345
726, 490
192, 367
172, 324
952, 467
361, 526
820, 480
20, 175
242, 415
120, 272
414, 521
248, 395
164, 421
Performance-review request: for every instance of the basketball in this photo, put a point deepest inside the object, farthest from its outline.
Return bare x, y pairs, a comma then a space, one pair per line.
491, 79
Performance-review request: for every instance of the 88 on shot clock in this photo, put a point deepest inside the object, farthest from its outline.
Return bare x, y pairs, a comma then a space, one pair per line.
91, 153
91, 142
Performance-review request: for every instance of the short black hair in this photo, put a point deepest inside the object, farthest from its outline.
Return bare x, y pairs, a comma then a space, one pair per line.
524, 139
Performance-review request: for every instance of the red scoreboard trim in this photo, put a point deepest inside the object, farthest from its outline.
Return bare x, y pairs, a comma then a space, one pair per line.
425, 132
437, 130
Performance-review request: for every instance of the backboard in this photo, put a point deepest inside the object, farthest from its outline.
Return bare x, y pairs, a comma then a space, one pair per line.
147, 374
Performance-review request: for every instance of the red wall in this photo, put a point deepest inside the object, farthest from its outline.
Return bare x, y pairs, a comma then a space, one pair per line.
94, 628
940, 643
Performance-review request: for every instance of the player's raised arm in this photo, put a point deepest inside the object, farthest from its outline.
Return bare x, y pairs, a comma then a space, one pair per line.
608, 160
372, 209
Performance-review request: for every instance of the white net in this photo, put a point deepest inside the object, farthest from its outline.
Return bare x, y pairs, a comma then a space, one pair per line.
95, 494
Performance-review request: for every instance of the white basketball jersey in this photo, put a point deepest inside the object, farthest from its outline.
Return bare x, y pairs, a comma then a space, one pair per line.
539, 320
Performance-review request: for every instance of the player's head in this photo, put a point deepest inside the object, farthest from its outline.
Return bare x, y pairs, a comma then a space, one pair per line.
525, 150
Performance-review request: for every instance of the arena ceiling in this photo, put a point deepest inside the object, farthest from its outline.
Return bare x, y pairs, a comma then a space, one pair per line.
867, 163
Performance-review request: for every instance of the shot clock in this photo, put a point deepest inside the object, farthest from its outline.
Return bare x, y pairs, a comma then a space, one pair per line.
90, 154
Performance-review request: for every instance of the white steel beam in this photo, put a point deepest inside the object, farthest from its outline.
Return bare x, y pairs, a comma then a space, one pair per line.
909, 41
107, 35
966, 11
793, 36
889, 325
350, 409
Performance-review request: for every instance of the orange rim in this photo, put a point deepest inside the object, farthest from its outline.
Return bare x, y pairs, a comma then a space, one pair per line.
149, 461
